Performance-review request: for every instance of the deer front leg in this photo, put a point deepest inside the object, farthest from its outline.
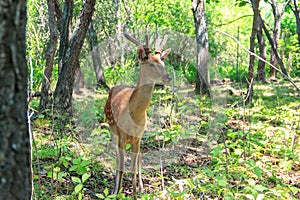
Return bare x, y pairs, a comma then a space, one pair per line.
136, 158
120, 153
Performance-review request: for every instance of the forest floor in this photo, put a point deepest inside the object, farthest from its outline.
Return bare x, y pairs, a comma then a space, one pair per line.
193, 147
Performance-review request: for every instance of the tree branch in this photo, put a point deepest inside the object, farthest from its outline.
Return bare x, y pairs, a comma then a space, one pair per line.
223, 24
284, 7
273, 47
257, 56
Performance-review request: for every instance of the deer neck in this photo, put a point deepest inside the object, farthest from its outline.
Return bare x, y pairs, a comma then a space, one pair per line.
140, 100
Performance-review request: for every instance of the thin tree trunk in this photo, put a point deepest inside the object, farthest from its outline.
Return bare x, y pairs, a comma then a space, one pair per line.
202, 81
276, 33
296, 12
46, 84
79, 79
273, 48
261, 75
58, 14
96, 57
15, 159
255, 7
64, 88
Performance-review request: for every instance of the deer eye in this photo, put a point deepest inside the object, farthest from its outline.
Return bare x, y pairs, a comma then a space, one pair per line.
152, 64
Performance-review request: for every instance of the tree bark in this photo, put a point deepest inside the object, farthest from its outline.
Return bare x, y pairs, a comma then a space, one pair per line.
255, 22
202, 80
65, 31
280, 62
296, 12
46, 84
64, 88
96, 57
276, 33
58, 14
79, 79
261, 75
15, 170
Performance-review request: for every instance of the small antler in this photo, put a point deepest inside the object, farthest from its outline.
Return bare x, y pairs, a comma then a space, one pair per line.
147, 42
133, 40
137, 43
143, 50
160, 45
146, 49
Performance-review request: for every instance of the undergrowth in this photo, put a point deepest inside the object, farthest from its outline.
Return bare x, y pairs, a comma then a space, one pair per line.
193, 148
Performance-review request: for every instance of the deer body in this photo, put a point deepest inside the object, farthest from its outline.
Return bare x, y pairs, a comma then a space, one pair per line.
125, 110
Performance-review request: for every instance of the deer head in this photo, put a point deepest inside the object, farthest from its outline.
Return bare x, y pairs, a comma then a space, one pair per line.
152, 66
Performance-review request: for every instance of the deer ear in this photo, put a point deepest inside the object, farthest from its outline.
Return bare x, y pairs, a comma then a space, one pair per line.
165, 54
142, 54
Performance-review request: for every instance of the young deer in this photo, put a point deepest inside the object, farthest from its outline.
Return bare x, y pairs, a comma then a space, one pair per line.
125, 108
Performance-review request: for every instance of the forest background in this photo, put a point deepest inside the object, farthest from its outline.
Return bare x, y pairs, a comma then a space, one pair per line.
214, 145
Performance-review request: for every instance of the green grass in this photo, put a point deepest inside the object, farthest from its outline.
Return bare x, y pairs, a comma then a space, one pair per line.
193, 148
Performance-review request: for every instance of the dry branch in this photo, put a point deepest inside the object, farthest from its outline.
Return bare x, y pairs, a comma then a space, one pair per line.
257, 56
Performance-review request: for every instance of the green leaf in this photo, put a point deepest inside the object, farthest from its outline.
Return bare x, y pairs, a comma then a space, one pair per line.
191, 184
73, 168
81, 170
257, 171
78, 188
68, 158
167, 139
111, 196
65, 163
79, 196
76, 161
49, 174
85, 177
250, 196
294, 190
221, 181
85, 163
105, 191
76, 179
260, 188
100, 196
238, 152
260, 197
251, 181
176, 194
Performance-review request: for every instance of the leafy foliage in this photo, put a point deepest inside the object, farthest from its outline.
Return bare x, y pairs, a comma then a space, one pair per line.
253, 152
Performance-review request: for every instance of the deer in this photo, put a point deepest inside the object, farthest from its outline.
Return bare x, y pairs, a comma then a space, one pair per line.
126, 106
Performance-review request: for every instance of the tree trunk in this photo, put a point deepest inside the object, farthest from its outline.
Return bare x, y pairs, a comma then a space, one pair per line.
64, 88
276, 33
58, 14
255, 7
261, 76
296, 12
202, 81
46, 84
15, 163
65, 31
96, 57
280, 62
79, 79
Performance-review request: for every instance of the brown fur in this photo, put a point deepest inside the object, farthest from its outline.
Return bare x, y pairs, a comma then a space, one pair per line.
125, 111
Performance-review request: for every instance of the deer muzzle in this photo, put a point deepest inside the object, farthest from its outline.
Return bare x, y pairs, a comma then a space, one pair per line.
167, 78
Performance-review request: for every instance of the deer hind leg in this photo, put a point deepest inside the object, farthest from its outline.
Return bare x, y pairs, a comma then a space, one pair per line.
120, 154
136, 162
140, 172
